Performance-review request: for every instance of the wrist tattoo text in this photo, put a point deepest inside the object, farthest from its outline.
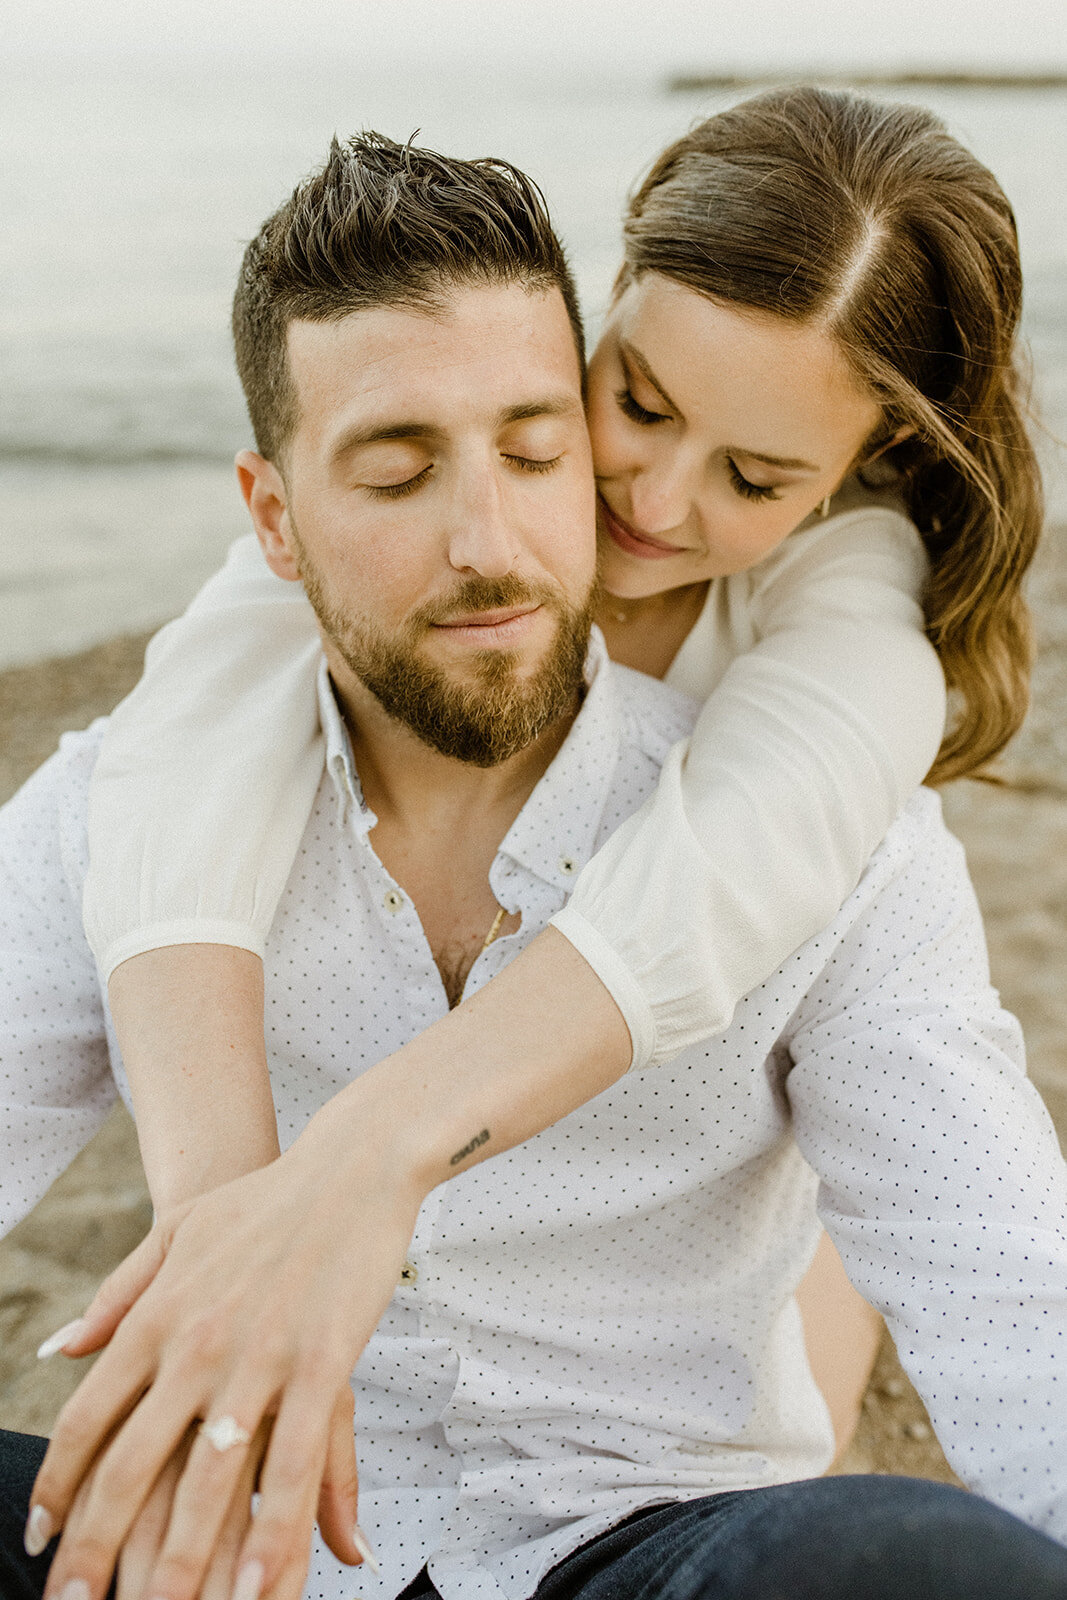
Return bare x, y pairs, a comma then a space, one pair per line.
469, 1149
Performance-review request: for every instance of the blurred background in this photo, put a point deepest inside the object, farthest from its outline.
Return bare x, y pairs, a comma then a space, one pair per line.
143, 141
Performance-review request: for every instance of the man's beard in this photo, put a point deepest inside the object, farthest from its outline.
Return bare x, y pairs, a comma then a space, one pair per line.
498, 712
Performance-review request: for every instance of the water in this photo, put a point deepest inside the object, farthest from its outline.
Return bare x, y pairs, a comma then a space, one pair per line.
127, 194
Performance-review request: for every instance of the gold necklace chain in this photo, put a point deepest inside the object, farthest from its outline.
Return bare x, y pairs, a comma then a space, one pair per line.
495, 929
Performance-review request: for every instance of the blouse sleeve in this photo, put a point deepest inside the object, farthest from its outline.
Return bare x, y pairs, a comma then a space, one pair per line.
826, 719
207, 772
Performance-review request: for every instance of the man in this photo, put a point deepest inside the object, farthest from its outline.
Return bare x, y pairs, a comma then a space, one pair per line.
590, 1378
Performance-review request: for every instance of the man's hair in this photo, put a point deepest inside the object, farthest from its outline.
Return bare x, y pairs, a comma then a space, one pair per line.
383, 224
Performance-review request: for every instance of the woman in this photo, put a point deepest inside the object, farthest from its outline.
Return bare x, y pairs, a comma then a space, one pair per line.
923, 311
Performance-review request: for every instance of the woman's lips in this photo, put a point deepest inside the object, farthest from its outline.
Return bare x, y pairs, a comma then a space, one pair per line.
635, 544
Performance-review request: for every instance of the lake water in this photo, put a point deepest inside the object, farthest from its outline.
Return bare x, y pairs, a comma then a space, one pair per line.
127, 194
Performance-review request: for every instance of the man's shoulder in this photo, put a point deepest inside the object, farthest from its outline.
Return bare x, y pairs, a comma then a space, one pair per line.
48, 815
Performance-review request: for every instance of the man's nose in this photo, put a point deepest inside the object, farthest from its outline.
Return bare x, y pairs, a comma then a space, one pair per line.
483, 536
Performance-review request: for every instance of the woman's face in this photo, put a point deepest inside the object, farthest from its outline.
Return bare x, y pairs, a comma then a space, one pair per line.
715, 431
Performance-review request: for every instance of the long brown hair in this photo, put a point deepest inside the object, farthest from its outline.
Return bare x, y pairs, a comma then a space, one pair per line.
871, 221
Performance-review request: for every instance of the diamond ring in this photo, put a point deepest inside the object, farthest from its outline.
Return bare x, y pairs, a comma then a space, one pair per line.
225, 1432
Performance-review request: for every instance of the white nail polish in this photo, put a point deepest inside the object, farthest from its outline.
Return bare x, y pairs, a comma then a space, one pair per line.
39, 1529
363, 1545
74, 1589
60, 1338
249, 1581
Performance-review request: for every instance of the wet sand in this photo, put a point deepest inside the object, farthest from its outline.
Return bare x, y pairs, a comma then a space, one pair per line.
1016, 840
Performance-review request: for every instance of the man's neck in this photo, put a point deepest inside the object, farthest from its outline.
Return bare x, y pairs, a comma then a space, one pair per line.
440, 822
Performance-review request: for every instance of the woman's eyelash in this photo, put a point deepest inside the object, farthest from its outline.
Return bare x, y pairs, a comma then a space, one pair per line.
751, 491
636, 412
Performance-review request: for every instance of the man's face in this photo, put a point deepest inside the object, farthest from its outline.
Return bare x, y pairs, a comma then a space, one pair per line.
439, 506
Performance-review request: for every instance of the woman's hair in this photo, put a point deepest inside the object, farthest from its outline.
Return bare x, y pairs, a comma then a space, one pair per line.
872, 222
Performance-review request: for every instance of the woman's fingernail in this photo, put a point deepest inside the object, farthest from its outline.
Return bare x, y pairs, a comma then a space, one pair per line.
363, 1545
74, 1589
39, 1529
62, 1337
249, 1581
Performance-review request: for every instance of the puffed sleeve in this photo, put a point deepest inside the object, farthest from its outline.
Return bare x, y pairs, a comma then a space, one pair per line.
208, 771
825, 712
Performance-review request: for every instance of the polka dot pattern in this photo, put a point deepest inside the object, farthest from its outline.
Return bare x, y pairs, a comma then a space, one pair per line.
604, 1318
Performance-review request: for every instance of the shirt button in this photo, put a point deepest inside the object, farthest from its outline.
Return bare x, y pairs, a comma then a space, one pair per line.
568, 864
409, 1274
393, 901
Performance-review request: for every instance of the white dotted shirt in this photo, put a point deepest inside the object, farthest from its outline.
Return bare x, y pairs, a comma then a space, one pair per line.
603, 1318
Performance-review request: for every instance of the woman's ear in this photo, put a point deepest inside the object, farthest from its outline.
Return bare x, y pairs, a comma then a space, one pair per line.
266, 497
905, 432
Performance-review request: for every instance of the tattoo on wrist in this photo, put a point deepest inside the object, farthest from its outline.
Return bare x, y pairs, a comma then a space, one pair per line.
469, 1149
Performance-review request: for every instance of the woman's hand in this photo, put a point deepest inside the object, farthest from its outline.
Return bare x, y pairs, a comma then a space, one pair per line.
140, 1553
257, 1300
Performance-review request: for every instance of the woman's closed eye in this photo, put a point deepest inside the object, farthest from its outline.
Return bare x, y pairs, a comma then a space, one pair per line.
637, 412
749, 490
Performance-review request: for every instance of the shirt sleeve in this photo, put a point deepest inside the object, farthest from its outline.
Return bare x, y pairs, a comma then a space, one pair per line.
208, 772
56, 1085
808, 745
942, 1184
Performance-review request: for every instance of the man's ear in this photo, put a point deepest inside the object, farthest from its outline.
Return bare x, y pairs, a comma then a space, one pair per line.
266, 497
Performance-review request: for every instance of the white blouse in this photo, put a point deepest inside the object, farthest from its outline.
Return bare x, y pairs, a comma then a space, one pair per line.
825, 709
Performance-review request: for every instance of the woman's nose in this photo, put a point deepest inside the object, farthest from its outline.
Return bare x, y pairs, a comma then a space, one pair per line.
661, 498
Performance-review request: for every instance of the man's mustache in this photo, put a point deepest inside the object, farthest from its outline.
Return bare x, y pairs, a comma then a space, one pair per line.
484, 594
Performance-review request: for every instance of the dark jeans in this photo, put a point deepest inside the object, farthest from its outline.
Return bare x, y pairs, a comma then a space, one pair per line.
826, 1539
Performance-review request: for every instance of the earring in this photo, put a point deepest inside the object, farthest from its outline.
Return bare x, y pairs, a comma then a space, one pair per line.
824, 509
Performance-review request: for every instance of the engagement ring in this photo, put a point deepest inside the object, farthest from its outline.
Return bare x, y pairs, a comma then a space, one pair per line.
225, 1432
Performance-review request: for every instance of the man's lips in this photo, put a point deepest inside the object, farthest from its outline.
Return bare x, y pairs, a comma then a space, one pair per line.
635, 544
503, 625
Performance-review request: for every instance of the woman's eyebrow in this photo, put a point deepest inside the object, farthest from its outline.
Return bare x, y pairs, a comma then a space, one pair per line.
641, 363
789, 463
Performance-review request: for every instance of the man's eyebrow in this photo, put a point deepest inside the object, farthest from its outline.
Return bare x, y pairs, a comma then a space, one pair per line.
562, 405
790, 463
356, 437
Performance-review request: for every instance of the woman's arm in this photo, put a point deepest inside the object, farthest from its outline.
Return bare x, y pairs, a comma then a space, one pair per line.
260, 1298
202, 790
825, 708
828, 714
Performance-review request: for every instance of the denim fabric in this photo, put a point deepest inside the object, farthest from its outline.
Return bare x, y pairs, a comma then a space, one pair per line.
861, 1538
851, 1538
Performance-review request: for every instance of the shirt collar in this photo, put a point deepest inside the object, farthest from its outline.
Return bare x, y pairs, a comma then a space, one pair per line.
340, 761
556, 831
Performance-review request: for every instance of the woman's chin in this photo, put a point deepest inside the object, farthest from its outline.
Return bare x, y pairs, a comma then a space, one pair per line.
619, 581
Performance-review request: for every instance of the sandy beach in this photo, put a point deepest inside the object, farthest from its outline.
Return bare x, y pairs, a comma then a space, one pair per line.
1016, 840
